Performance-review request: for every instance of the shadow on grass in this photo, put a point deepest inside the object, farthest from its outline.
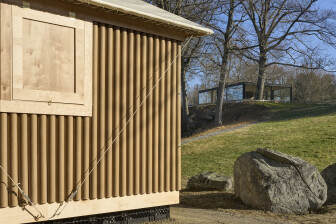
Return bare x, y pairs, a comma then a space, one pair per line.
211, 200
283, 112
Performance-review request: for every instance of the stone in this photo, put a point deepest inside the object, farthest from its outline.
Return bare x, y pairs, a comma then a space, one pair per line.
210, 181
329, 175
278, 182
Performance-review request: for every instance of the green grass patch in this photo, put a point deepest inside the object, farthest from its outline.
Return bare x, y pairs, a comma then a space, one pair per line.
304, 130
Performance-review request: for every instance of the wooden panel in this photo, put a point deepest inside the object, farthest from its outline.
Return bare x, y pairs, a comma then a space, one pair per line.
45, 58
48, 56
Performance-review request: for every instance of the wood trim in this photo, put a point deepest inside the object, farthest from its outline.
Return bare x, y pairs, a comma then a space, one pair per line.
6, 52
30, 107
88, 207
47, 96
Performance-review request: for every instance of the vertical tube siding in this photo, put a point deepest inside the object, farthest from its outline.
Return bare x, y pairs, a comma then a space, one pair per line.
156, 115
24, 155
42, 158
167, 77
101, 146
123, 112
33, 175
130, 86
143, 115
116, 113
136, 110
178, 111
149, 116
52, 159
94, 136
60, 159
77, 157
109, 126
86, 158
69, 156
3, 159
13, 159
162, 115
173, 117
51, 155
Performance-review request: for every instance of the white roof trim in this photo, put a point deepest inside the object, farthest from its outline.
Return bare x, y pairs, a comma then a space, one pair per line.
145, 10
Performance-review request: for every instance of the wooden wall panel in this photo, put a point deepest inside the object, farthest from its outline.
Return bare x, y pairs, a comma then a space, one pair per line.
49, 155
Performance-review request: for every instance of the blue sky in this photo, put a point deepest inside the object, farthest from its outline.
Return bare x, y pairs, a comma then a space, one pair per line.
328, 4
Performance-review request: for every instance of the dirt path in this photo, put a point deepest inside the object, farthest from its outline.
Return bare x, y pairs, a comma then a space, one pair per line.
198, 216
206, 135
220, 207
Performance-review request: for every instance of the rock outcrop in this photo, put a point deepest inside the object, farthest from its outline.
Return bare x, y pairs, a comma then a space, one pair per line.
210, 181
278, 182
329, 175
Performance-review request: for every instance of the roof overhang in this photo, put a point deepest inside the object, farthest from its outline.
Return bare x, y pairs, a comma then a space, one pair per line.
146, 11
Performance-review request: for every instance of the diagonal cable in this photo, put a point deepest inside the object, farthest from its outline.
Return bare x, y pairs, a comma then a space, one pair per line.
73, 194
24, 195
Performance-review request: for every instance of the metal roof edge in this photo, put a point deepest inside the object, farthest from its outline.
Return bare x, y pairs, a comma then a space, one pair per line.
195, 29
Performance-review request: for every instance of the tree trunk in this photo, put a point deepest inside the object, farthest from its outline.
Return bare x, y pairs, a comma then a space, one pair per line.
220, 91
261, 79
224, 67
185, 109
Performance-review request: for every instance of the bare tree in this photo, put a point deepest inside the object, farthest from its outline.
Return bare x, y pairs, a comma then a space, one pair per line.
280, 32
197, 11
226, 25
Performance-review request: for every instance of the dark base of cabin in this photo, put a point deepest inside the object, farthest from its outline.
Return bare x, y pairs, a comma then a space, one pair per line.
126, 217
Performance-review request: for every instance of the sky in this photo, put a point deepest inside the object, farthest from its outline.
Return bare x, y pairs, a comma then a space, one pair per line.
323, 4
328, 4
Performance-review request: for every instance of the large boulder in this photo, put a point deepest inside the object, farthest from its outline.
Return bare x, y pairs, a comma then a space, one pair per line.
329, 175
278, 182
210, 181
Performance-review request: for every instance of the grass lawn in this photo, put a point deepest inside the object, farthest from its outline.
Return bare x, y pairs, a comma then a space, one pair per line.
304, 130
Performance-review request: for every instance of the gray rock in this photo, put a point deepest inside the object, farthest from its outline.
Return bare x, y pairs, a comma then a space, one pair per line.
329, 175
278, 182
210, 181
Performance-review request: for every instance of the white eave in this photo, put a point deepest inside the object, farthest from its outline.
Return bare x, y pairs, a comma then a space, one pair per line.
150, 12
